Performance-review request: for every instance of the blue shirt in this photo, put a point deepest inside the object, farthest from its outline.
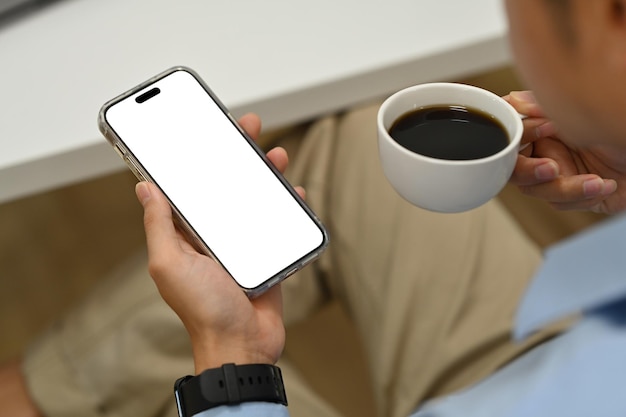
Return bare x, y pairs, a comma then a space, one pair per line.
579, 373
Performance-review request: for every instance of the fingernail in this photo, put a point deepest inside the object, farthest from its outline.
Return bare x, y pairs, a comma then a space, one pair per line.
599, 187
545, 130
593, 188
143, 192
522, 96
610, 186
547, 171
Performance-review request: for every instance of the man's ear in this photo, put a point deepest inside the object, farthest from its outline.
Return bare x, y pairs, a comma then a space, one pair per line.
615, 21
616, 12
618, 8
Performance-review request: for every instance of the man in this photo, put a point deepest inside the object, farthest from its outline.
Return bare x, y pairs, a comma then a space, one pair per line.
432, 295
389, 265
573, 54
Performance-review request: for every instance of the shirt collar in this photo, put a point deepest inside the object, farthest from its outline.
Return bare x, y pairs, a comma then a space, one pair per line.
583, 273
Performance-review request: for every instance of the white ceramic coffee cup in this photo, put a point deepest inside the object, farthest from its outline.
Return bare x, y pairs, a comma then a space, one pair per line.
445, 185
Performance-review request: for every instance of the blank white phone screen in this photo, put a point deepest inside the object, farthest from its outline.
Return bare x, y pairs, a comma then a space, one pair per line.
215, 179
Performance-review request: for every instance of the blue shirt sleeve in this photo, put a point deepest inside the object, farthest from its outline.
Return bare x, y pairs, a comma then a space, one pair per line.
578, 374
252, 409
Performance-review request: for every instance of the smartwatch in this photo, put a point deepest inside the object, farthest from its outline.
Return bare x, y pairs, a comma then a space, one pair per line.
228, 385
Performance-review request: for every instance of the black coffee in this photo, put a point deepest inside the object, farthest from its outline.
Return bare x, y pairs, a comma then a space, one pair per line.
450, 132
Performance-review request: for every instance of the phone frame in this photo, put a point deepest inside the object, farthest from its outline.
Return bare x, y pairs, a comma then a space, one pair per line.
143, 175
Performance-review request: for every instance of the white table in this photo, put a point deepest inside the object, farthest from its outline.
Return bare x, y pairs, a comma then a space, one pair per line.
287, 60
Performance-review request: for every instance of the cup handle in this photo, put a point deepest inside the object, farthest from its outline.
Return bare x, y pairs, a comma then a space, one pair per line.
524, 146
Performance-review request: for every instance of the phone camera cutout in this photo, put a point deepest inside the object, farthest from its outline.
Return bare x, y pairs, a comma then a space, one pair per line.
147, 95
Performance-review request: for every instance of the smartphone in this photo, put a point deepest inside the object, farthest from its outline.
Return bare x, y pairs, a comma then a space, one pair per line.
227, 197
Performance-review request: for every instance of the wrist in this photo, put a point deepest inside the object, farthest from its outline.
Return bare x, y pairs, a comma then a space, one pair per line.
214, 355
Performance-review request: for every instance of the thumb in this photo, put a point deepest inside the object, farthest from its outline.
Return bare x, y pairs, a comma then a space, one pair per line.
525, 103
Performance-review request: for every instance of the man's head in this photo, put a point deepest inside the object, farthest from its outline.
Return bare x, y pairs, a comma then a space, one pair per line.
572, 53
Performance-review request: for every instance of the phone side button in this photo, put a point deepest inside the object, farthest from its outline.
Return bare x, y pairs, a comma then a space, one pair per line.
134, 168
119, 151
291, 271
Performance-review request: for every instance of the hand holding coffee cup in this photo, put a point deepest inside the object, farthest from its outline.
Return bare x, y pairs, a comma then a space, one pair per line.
448, 147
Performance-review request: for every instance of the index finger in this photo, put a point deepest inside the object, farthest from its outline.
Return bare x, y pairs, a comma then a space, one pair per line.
251, 123
525, 103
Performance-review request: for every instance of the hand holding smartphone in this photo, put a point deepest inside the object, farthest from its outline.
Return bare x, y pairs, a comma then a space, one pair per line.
229, 199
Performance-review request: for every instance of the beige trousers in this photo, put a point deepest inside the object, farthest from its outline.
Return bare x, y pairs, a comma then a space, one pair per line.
432, 296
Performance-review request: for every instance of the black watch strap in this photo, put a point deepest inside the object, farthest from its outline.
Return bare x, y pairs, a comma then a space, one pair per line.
229, 384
